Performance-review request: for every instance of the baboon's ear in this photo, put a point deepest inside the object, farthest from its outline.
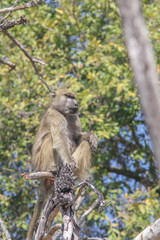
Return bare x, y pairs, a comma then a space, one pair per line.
53, 94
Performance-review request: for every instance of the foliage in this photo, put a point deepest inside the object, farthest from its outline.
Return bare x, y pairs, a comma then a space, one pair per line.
81, 41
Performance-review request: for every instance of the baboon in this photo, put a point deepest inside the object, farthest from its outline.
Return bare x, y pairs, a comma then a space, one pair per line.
58, 141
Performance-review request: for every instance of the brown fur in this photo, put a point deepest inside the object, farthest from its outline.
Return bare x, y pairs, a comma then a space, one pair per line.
59, 140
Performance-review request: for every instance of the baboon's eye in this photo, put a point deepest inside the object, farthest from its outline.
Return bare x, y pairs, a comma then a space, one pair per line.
69, 96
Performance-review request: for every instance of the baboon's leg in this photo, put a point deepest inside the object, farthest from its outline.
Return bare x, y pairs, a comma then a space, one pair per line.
82, 157
46, 189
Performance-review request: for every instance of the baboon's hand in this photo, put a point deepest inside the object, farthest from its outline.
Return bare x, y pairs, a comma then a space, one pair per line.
93, 141
73, 163
70, 163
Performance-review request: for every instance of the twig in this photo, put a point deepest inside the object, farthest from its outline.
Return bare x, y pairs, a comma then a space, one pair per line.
9, 24
2, 19
39, 61
93, 206
8, 13
4, 229
26, 5
100, 195
29, 57
11, 65
80, 192
80, 200
38, 175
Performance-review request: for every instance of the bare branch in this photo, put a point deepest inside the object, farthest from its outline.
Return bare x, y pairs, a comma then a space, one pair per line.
11, 65
8, 13
130, 174
4, 229
9, 24
57, 235
39, 61
53, 230
89, 210
79, 200
38, 175
81, 190
49, 207
29, 57
152, 232
64, 194
2, 19
26, 5
78, 194
93, 238
100, 196
82, 185
65, 198
50, 220
144, 67
1, 235
68, 225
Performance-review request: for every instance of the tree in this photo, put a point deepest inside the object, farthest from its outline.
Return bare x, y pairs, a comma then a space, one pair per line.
82, 44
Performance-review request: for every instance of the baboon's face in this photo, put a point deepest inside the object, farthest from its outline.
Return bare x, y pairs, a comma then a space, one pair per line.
70, 104
66, 104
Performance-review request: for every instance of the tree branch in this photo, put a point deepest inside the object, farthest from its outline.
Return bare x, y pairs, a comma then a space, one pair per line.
49, 207
8, 12
93, 238
134, 175
152, 232
125, 172
26, 5
38, 175
4, 229
89, 210
100, 196
57, 234
144, 67
9, 24
32, 60
11, 65
53, 230
64, 197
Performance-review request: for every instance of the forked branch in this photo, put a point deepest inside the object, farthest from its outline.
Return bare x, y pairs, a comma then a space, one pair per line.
4, 25
32, 60
65, 198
